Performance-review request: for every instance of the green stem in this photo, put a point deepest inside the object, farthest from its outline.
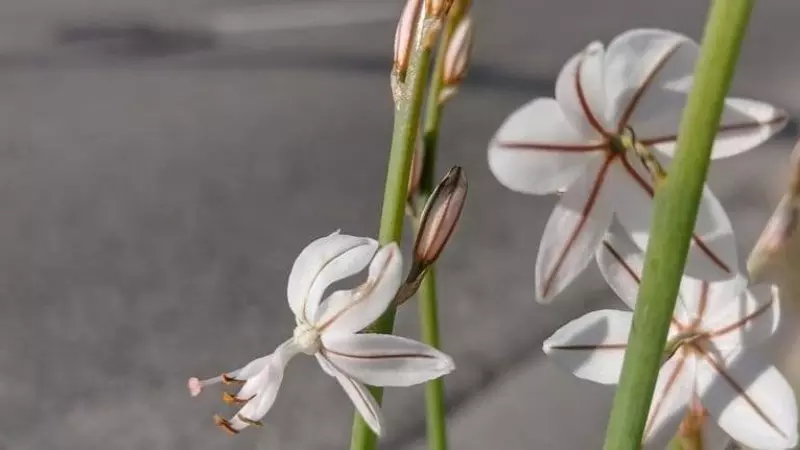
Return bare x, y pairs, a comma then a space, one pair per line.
406, 124
434, 389
674, 215
435, 419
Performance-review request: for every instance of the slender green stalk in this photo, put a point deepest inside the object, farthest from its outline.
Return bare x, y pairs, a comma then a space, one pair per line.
435, 420
406, 123
434, 389
676, 205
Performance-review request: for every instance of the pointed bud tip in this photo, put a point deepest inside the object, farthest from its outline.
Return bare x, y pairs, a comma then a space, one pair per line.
404, 36
440, 216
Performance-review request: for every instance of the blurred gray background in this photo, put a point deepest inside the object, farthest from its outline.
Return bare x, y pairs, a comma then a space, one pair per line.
163, 162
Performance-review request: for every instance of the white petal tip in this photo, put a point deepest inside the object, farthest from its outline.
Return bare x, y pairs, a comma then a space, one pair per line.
195, 386
594, 47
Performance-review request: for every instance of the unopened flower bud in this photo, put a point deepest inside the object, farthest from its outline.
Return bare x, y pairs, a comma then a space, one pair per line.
440, 216
404, 36
459, 9
456, 58
437, 8
773, 256
415, 176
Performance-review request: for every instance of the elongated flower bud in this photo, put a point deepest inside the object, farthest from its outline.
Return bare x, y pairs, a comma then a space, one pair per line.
415, 176
404, 36
456, 59
440, 216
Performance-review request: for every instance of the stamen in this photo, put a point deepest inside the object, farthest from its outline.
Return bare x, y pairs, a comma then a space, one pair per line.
227, 379
231, 399
225, 425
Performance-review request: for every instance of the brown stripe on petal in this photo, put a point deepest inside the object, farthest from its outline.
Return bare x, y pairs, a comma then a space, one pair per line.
255, 423
741, 392
391, 356
587, 209
360, 393
362, 292
696, 239
729, 127
701, 306
590, 347
622, 262
741, 322
673, 377
590, 117
546, 146
637, 96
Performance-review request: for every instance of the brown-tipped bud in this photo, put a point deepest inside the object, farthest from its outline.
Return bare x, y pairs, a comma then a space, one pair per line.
456, 58
404, 36
794, 174
437, 8
440, 216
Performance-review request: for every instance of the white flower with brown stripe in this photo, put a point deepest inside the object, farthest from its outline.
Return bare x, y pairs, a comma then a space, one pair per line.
709, 361
328, 329
603, 141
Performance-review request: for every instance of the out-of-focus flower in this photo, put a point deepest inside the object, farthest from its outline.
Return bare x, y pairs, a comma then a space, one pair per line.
709, 356
329, 330
608, 102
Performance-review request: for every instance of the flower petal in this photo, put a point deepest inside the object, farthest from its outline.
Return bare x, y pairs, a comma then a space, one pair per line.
745, 319
362, 399
745, 124
580, 92
536, 151
259, 393
751, 400
353, 310
573, 232
323, 262
593, 345
672, 393
621, 264
712, 254
640, 66
385, 360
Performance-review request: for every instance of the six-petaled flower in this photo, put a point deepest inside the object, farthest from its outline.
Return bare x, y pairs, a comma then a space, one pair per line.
580, 142
329, 330
709, 359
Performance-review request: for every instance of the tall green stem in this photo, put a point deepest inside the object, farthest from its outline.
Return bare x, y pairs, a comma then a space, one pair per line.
676, 205
406, 123
435, 419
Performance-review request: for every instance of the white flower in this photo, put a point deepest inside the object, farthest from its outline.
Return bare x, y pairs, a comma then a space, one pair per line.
329, 330
709, 351
636, 89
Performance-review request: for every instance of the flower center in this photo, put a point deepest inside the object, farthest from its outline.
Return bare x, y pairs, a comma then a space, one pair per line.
307, 338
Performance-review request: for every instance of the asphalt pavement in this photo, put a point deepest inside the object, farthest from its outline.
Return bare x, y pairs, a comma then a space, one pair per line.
162, 164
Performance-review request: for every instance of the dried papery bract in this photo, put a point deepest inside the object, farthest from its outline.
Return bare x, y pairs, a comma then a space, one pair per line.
440, 216
414, 179
404, 37
456, 59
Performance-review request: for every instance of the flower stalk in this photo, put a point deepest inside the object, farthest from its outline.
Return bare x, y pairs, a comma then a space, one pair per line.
408, 95
675, 212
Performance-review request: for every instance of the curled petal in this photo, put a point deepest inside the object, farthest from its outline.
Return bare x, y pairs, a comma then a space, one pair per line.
745, 124
621, 264
640, 67
258, 395
364, 402
536, 151
712, 253
673, 391
385, 360
592, 346
321, 263
353, 310
750, 400
573, 232
581, 93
